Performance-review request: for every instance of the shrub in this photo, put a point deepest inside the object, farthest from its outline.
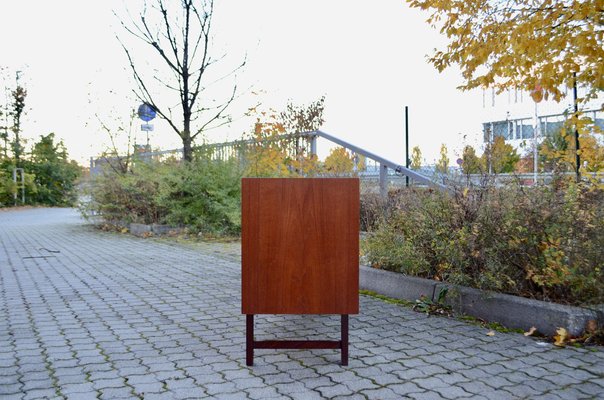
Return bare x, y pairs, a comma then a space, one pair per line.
203, 195
542, 242
129, 197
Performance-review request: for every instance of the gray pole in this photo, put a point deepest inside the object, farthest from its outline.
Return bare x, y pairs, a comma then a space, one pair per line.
406, 143
577, 156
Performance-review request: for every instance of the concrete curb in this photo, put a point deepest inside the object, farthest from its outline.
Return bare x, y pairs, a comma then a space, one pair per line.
510, 311
139, 229
156, 229
395, 285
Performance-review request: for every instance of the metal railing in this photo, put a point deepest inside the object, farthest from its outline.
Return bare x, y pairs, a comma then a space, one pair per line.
374, 166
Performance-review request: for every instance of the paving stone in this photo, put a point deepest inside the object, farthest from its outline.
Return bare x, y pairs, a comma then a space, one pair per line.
334, 390
591, 389
82, 396
246, 383
314, 383
452, 392
277, 378
220, 388
428, 395
69, 379
172, 384
115, 393
312, 395
101, 384
382, 393
37, 384
146, 388
189, 393
77, 388
266, 392
36, 394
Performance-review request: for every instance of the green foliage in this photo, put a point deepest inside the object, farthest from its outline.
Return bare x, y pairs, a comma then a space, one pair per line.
388, 249
541, 242
203, 195
129, 197
18, 107
500, 156
50, 176
54, 174
7, 186
430, 307
557, 151
472, 164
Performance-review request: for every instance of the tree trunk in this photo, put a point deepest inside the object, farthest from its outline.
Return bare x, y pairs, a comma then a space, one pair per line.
187, 147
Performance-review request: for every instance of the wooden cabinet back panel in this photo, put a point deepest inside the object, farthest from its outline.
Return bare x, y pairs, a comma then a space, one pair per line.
300, 246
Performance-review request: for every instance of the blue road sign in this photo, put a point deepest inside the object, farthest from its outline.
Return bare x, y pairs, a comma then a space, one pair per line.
146, 112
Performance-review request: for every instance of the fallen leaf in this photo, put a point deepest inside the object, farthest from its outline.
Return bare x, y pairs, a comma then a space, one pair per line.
561, 337
530, 331
591, 326
491, 333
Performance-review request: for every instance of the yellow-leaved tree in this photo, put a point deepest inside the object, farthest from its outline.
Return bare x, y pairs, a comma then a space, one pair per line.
267, 155
276, 148
416, 158
540, 46
522, 44
339, 162
557, 153
442, 165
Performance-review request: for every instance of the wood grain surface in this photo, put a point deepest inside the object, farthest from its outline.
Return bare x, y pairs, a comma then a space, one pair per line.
300, 245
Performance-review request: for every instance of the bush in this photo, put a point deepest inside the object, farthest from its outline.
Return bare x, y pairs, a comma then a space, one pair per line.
203, 195
50, 176
541, 242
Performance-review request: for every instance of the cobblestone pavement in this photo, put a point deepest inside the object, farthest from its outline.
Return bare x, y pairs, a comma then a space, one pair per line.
86, 315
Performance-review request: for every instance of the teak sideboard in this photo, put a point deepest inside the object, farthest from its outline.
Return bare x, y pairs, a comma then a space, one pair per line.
300, 253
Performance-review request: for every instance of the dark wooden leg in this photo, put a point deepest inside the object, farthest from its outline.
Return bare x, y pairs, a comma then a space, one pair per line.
249, 340
344, 339
251, 344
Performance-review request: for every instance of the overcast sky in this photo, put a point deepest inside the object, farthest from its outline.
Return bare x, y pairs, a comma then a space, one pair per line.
367, 58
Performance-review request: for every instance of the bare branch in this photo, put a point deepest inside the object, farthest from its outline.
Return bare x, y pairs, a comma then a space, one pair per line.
170, 38
144, 95
187, 56
218, 115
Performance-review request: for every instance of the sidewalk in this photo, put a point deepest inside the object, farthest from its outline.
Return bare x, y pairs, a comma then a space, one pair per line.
86, 314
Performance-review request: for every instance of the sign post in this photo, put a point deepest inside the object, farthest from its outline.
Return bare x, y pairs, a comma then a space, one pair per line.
146, 112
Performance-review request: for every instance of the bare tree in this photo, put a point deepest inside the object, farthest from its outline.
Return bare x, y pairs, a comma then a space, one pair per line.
183, 43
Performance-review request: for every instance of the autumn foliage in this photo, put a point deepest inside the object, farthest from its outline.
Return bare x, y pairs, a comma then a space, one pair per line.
521, 44
541, 242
